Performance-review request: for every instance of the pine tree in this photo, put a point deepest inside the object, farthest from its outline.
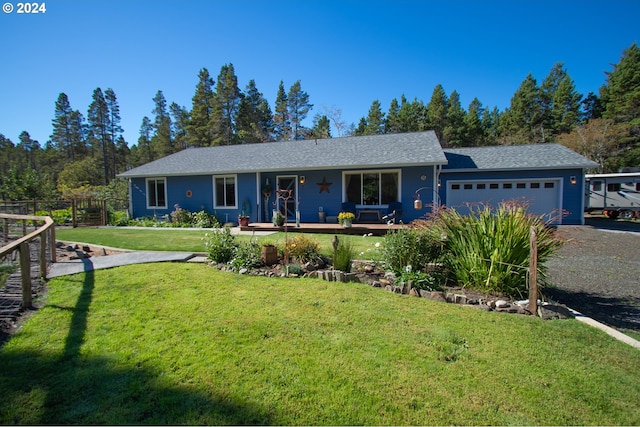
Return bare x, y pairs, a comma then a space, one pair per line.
321, 127
99, 127
392, 122
437, 112
179, 123
375, 120
115, 130
227, 98
523, 120
412, 115
454, 130
281, 123
254, 120
560, 103
63, 122
161, 142
474, 132
298, 106
621, 92
199, 131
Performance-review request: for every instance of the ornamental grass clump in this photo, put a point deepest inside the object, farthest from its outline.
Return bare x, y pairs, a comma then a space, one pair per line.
488, 249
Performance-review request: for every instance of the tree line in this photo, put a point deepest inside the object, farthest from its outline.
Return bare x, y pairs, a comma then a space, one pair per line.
85, 154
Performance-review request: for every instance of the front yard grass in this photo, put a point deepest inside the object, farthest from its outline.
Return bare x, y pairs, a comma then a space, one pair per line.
175, 239
175, 343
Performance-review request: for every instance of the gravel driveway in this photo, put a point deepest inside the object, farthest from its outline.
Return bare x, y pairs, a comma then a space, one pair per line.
597, 271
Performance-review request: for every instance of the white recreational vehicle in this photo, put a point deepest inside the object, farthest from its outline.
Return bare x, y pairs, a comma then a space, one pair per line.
615, 194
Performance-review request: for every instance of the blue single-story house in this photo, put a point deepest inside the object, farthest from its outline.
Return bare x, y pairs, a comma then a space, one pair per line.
369, 175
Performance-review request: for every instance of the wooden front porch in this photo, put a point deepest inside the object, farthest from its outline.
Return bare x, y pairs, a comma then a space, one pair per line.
324, 228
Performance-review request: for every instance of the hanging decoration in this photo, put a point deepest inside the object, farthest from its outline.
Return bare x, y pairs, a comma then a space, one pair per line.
324, 185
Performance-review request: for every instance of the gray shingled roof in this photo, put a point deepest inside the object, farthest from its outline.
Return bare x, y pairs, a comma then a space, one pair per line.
407, 149
509, 157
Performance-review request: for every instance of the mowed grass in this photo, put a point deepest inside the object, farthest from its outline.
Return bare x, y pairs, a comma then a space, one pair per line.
170, 343
176, 239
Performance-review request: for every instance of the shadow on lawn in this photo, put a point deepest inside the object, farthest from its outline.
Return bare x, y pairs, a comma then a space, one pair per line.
71, 389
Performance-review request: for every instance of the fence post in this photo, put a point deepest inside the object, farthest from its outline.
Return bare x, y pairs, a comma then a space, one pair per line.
52, 243
533, 271
74, 213
25, 271
43, 255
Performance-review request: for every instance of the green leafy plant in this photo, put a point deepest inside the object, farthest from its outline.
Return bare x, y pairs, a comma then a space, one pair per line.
119, 218
488, 249
59, 216
246, 255
221, 245
415, 247
180, 217
204, 219
421, 280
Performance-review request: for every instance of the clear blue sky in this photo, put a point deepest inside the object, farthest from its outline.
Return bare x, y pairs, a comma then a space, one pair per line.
346, 53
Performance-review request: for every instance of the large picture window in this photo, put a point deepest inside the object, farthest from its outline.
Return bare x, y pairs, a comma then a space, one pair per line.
373, 188
225, 189
156, 193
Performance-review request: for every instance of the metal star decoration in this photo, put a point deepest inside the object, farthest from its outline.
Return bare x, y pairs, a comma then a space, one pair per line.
324, 185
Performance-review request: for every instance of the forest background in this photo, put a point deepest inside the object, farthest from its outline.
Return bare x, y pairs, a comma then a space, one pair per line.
85, 152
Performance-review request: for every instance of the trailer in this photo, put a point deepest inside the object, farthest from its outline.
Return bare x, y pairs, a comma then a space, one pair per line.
615, 194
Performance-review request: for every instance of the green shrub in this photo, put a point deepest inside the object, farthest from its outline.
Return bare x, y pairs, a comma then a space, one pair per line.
203, 219
119, 218
344, 256
488, 249
220, 245
415, 247
303, 249
421, 280
246, 255
59, 216
180, 217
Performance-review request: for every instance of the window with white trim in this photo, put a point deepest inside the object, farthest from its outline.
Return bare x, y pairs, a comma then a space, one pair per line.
156, 193
373, 188
225, 191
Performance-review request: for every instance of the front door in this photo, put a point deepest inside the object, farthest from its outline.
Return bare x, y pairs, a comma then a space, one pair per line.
287, 200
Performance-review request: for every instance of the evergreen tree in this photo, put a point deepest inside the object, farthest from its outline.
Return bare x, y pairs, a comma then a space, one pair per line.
592, 106
99, 128
7, 154
227, 98
199, 131
621, 92
115, 130
28, 151
361, 128
254, 120
392, 122
298, 106
454, 129
412, 115
143, 152
474, 131
68, 134
321, 127
523, 120
375, 120
161, 142
560, 104
179, 123
437, 112
281, 123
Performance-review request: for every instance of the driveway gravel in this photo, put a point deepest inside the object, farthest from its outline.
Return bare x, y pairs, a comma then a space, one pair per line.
597, 271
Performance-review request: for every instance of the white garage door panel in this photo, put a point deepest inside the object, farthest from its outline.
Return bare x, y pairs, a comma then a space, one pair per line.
543, 196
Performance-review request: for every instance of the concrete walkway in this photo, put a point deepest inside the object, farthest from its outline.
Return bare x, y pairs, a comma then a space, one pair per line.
63, 268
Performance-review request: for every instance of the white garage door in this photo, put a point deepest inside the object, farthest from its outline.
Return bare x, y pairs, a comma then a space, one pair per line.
543, 196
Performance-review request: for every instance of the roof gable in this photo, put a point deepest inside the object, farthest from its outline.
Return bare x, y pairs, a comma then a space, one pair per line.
509, 157
388, 150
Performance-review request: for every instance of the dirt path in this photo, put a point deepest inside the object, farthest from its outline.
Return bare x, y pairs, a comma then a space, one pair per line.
597, 272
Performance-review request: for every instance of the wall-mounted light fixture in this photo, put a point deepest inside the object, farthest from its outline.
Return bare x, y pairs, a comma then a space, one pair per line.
302, 179
573, 180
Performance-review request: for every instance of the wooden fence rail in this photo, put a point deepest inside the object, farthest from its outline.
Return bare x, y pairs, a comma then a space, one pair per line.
46, 233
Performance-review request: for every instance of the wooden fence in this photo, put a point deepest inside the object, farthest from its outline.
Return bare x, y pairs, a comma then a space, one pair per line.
47, 235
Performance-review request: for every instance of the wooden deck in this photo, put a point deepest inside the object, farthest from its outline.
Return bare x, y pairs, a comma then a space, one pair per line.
357, 229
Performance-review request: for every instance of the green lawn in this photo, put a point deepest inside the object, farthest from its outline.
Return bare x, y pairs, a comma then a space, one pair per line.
175, 239
172, 343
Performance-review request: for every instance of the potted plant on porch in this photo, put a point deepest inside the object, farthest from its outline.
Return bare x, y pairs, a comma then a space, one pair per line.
243, 220
346, 219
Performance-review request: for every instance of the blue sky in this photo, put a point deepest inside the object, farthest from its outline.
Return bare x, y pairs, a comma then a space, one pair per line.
345, 53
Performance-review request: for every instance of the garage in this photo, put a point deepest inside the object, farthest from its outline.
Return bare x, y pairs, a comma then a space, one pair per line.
544, 196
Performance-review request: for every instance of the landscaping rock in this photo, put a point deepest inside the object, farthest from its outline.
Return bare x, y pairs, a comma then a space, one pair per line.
502, 304
414, 292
